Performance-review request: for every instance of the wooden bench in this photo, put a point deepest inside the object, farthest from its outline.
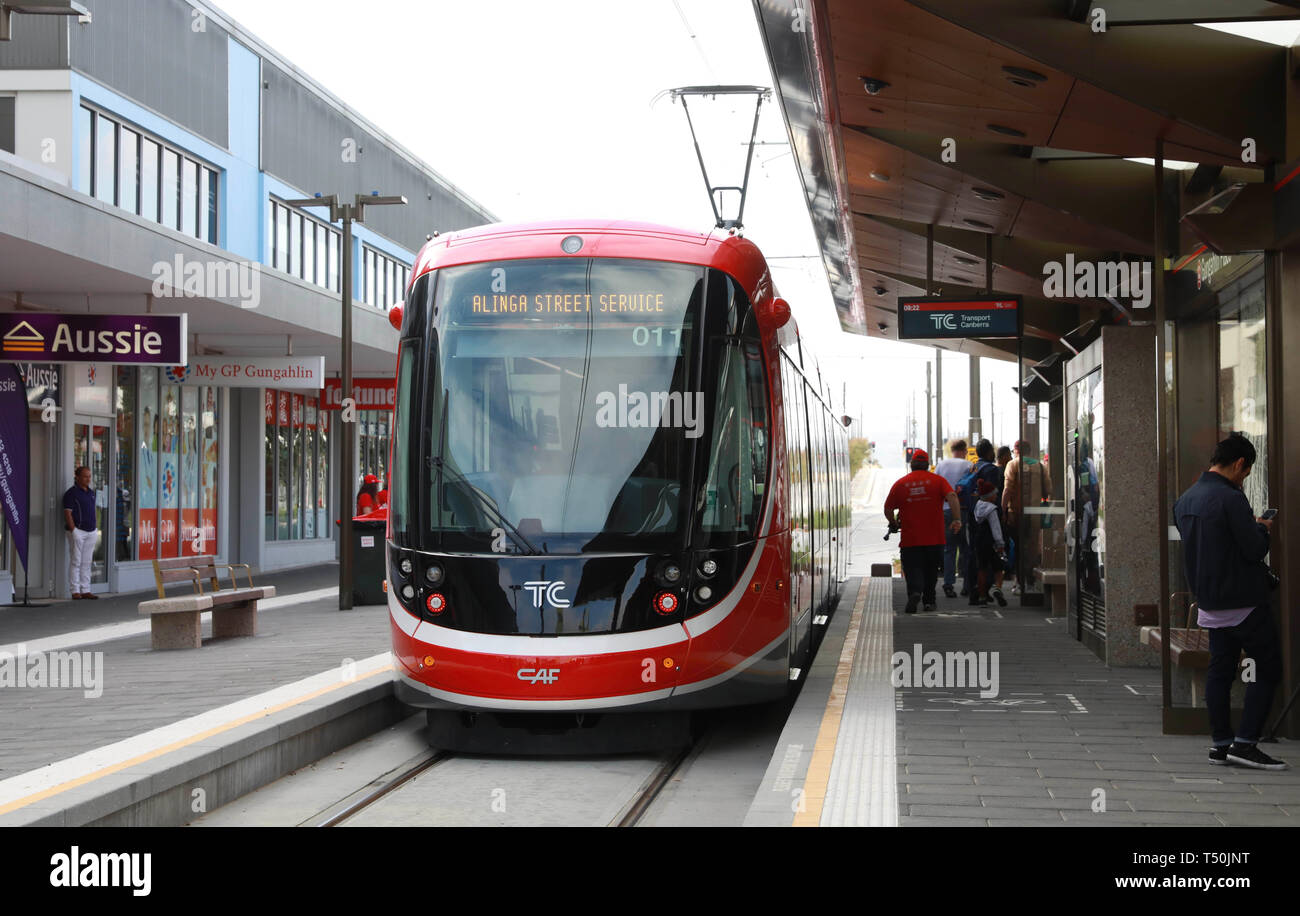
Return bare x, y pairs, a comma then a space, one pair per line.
1189, 646
176, 622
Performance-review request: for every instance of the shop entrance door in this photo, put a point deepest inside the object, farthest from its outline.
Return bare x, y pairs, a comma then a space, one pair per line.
90, 447
44, 523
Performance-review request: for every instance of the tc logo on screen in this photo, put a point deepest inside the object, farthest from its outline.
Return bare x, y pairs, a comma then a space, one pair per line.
541, 588
945, 320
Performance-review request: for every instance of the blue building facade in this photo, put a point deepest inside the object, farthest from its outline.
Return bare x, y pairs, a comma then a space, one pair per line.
159, 133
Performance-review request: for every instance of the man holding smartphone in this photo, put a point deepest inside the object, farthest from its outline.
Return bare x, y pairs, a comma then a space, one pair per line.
1223, 555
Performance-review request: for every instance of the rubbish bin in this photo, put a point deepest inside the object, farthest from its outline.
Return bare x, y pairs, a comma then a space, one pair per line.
368, 566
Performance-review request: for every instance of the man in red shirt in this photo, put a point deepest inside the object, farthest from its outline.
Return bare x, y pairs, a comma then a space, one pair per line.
918, 499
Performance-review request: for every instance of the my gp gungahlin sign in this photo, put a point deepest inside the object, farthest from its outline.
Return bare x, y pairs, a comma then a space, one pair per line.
929, 318
143, 340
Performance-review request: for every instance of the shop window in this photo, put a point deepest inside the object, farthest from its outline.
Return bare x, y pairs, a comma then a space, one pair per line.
124, 536
147, 480
296, 467
1243, 392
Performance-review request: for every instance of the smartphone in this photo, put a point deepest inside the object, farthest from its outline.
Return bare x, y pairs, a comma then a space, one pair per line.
1269, 513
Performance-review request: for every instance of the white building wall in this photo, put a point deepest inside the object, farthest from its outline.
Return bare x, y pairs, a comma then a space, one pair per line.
43, 118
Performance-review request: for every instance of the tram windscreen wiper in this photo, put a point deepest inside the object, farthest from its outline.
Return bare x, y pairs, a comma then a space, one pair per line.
483, 500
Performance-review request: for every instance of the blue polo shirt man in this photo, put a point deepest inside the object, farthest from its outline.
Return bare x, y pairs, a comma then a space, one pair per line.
79, 522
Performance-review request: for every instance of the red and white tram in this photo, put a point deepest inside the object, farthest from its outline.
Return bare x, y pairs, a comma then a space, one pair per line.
616, 484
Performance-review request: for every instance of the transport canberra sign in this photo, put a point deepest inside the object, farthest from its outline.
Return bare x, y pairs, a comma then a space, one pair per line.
928, 318
143, 340
251, 372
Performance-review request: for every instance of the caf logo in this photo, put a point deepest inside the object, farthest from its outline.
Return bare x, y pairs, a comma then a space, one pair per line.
178, 373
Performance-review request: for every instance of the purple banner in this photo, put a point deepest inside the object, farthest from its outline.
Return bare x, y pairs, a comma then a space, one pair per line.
13, 455
142, 340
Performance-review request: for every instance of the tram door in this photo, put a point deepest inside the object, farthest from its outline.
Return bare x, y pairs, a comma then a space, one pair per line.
91, 443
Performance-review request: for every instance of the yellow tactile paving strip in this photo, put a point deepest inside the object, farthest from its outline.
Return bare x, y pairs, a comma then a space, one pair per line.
184, 742
819, 768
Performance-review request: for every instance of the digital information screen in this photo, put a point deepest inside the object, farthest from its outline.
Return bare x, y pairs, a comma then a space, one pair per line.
928, 318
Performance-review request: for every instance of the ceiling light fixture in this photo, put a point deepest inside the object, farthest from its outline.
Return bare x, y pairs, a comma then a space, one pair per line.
873, 85
978, 224
879, 290
878, 175
1024, 73
987, 194
1006, 131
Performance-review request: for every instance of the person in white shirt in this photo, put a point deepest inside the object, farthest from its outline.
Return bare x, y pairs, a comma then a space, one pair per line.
953, 469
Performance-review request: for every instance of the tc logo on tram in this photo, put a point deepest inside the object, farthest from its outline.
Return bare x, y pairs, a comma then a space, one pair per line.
538, 675
541, 588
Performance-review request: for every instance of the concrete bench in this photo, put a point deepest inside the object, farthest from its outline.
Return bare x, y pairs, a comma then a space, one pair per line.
1054, 588
176, 623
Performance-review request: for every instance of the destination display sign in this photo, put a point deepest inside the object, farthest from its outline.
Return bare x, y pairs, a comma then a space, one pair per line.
929, 318
557, 303
142, 340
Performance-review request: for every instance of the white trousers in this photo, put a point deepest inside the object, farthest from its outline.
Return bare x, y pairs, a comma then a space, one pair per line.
81, 549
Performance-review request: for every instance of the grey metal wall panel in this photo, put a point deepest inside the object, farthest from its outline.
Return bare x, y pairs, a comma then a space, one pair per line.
38, 43
7, 124
303, 144
151, 51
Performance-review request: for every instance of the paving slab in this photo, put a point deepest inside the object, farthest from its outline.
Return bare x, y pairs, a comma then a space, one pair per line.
1062, 726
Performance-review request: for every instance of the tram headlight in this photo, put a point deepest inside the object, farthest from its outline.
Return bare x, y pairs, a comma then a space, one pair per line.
436, 603
408, 592
670, 573
703, 594
708, 568
433, 574
405, 567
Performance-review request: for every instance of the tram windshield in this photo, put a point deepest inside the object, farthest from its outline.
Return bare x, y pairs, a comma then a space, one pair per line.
561, 407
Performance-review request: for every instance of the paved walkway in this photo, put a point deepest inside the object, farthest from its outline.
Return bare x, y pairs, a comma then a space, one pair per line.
1066, 742
301, 633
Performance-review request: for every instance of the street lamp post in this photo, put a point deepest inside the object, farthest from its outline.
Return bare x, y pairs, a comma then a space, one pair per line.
347, 214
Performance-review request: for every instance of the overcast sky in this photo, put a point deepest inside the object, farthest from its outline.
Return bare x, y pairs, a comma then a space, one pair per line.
540, 110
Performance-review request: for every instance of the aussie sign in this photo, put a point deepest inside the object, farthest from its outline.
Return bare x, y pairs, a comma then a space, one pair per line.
143, 340
928, 318
251, 372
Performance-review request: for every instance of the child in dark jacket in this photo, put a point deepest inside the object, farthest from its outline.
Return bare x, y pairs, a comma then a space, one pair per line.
990, 546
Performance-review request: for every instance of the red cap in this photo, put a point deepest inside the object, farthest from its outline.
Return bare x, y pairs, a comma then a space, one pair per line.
920, 455
370, 478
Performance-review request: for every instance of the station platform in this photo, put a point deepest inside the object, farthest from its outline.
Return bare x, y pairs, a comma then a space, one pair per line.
73, 754
1056, 739
1062, 741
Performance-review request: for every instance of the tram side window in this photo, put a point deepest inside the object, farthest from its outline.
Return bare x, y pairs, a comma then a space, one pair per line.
737, 478
398, 487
